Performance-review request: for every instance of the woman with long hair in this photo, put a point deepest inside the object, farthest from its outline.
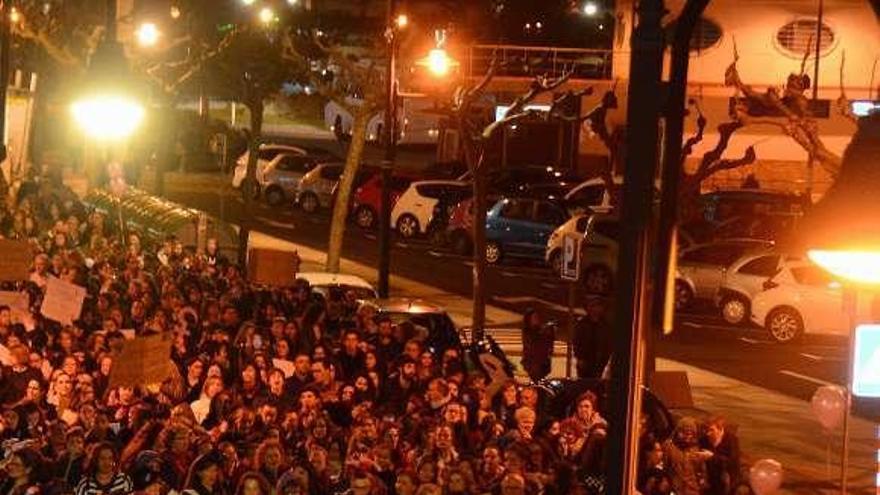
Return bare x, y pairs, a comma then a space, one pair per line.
103, 476
205, 475
253, 483
20, 470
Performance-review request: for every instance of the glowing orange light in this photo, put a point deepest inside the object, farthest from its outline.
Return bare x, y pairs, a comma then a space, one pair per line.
402, 21
862, 267
439, 62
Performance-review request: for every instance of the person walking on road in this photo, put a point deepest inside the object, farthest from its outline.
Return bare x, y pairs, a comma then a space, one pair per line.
537, 339
592, 339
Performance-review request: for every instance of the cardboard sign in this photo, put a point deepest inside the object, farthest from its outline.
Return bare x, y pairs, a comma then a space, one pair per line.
15, 260
63, 301
284, 365
143, 361
272, 267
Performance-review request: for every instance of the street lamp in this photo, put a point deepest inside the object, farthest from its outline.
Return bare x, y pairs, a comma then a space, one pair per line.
842, 236
266, 15
591, 9
147, 34
248, 2
402, 21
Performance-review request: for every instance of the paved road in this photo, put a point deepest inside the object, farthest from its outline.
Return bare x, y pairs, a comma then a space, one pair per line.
699, 339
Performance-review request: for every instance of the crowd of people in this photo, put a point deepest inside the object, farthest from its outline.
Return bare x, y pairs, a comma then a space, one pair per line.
363, 407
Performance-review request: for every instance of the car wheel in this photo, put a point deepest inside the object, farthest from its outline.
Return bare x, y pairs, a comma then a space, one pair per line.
598, 279
461, 244
684, 296
309, 203
784, 325
249, 188
274, 196
735, 309
407, 226
493, 252
555, 261
365, 217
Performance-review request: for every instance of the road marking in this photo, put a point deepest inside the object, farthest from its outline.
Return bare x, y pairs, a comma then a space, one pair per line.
275, 223
435, 254
810, 379
505, 273
401, 245
372, 237
750, 340
548, 285
816, 357
812, 356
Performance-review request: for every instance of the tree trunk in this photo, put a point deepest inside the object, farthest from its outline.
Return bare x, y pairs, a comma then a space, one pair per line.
346, 183
250, 182
166, 149
479, 309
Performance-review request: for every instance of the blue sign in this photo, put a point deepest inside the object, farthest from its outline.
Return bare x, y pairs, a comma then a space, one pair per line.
866, 361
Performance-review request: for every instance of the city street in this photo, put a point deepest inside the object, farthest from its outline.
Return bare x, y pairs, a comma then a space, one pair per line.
700, 340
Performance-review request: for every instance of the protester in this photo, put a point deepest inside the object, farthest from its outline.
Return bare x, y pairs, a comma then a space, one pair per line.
282, 391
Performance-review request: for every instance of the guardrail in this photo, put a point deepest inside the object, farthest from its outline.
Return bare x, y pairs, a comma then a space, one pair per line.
528, 61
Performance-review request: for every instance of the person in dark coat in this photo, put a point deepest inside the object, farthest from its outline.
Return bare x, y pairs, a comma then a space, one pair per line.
537, 339
723, 468
592, 339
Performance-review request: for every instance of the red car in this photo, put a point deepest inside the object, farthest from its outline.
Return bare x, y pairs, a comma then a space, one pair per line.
368, 198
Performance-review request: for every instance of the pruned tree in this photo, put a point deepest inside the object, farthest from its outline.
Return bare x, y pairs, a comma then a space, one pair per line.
353, 75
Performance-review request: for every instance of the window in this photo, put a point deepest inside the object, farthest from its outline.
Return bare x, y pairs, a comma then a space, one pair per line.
294, 163
764, 266
331, 172
517, 209
268, 154
607, 228
799, 37
581, 224
588, 196
549, 214
706, 35
429, 191
398, 183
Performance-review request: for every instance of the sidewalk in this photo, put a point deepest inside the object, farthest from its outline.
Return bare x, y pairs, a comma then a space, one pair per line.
770, 425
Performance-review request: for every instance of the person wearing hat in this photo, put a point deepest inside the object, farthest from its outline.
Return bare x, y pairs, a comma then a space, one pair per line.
592, 338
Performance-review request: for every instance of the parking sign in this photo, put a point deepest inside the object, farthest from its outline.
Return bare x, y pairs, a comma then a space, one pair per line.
866, 361
571, 259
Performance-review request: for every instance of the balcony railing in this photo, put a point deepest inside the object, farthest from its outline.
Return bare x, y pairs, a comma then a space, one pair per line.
528, 61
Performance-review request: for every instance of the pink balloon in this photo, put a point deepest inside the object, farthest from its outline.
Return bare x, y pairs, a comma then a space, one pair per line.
829, 406
765, 476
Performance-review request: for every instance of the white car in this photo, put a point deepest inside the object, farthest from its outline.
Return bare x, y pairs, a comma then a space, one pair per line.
425, 202
599, 249
279, 169
701, 268
802, 298
591, 195
267, 153
743, 279
324, 283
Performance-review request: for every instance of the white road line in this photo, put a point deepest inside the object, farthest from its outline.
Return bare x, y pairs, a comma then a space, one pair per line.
401, 245
370, 236
548, 285
435, 254
750, 340
505, 273
812, 356
816, 357
810, 379
274, 223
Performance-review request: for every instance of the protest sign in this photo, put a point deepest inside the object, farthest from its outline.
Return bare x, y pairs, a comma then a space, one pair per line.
272, 267
15, 260
63, 301
143, 361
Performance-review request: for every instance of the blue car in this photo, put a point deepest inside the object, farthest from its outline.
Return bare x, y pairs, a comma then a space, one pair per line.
519, 227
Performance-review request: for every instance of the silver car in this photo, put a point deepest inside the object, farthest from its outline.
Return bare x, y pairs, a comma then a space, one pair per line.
701, 268
316, 188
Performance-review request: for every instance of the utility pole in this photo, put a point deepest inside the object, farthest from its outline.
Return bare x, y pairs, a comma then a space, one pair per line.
643, 115
5, 50
390, 131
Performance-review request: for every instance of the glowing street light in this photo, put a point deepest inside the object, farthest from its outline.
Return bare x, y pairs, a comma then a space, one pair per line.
108, 118
147, 34
591, 9
248, 2
175, 12
439, 62
402, 21
14, 15
860, 267
266, 15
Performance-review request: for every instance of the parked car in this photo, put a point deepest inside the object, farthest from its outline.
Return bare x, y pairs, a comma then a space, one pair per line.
599, 248
315, 189
701, 268
327, 283
743, 279
519, 227
368, 198
424, 203
591, 195
267, 153
724, 204
433, 324
801, 298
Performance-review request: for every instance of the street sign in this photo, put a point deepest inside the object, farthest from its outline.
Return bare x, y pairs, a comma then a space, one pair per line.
571, 258
866, 361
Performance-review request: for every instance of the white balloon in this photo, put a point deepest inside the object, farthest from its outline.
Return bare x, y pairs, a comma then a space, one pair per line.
765, 476
829, 406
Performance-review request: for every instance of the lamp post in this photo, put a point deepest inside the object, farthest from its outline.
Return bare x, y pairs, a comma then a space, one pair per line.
841, 234
390, 140
5, 44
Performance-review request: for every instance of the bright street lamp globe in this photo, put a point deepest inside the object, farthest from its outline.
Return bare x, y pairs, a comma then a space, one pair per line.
266, 15
248, 2
438, 62
108, 118
148, 34
591, 9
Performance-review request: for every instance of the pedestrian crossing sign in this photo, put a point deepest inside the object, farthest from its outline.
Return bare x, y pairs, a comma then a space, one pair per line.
866, 361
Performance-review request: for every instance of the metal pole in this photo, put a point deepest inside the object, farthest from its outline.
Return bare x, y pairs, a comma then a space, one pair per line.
819, 19
643, 115
569, 350
389, 129
851, 303
5, 45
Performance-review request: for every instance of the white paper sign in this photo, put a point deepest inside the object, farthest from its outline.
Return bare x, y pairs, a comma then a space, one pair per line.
63, 301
